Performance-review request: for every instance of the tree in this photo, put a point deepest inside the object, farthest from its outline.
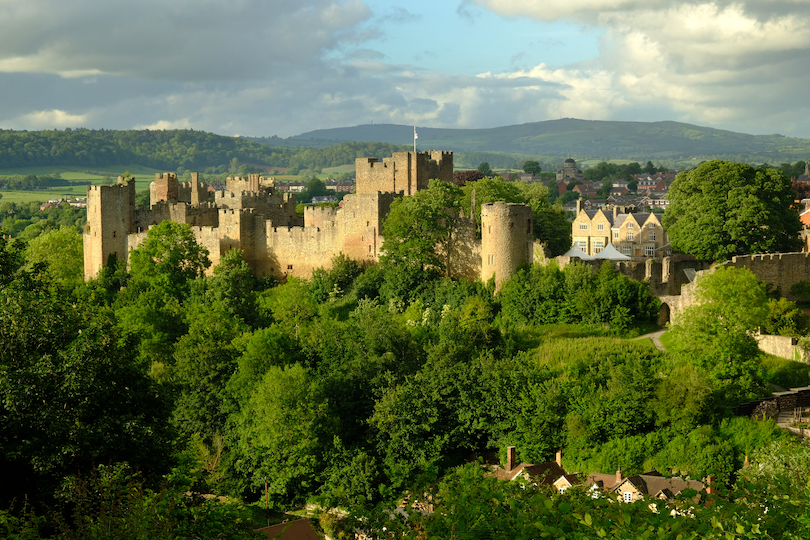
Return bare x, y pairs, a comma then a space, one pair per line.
419, 229
717, 331
532, 167
721, 209
169, 258
61, 249
485, 169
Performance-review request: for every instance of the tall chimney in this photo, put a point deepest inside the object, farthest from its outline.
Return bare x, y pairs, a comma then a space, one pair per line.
511, 458
559, 458
579, 205
615, 211
619, 476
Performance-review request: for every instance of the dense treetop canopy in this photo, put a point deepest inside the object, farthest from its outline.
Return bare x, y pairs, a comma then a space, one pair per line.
721, 209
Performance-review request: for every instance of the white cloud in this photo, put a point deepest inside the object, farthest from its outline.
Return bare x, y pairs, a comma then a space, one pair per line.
719, 62
51, 119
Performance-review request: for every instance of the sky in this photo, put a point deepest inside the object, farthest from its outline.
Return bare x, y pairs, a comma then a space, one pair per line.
285, 67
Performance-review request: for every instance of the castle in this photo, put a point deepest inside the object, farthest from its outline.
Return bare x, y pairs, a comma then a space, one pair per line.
252, 215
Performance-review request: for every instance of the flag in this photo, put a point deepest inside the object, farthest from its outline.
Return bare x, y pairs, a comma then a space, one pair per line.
415, 136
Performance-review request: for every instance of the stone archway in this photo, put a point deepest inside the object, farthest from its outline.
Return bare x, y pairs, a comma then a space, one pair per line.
663, 314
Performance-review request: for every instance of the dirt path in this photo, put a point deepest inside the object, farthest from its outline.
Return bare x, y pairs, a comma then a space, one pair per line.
655, 337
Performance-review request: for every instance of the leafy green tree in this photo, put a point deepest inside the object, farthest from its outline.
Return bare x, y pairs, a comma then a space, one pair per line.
532, 167
721, 209
485, 169
419, 232
62, 251
169, 258
717, 333
71, 393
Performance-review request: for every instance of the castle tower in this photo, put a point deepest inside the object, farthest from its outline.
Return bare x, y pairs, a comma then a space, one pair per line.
195, 188
507, 239
164, 188
110, 217
406, 172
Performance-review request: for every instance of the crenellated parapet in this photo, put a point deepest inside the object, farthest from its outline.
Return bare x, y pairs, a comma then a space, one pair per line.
405, 172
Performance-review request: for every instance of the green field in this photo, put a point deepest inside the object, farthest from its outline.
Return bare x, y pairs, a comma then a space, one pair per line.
143, 176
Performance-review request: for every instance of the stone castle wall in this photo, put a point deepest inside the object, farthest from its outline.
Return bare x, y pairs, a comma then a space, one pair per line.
253, 217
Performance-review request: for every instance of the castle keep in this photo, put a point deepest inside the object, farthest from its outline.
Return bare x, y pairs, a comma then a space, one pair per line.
252, 215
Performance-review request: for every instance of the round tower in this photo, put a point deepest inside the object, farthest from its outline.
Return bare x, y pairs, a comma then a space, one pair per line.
507, 239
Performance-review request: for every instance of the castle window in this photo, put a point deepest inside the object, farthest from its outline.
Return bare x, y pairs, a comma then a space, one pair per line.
583, 226
369, 248
289, 267
113, 234
511, 224
629, 237
491, 260
367, 223
489, 229
600, 226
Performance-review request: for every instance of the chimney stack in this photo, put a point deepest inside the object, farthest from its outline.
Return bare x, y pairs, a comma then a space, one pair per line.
615, 211
579, 205
619, 476
559, 458
511, 458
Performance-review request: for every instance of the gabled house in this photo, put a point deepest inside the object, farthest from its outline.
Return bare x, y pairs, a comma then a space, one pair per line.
651, 485
633, 234
540, 474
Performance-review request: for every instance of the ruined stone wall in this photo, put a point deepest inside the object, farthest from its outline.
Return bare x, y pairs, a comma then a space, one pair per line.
781, 346
507, 239
781, 270
164, 188
320, 216
360, 221
110, 216
296, 251
465, 252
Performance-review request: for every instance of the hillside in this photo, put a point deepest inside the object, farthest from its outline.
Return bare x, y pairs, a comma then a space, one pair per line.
583, 139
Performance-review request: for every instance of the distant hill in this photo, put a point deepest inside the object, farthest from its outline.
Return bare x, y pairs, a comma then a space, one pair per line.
582, 139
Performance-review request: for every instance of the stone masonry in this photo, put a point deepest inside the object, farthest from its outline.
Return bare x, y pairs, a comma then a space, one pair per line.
252, 215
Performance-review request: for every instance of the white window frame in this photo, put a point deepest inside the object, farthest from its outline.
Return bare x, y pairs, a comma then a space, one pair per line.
627, 496
649, 251
630, 236
598, 246
600, 226
627, 250
583, 226
631, 225
651, 226
615, 235
652, 237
